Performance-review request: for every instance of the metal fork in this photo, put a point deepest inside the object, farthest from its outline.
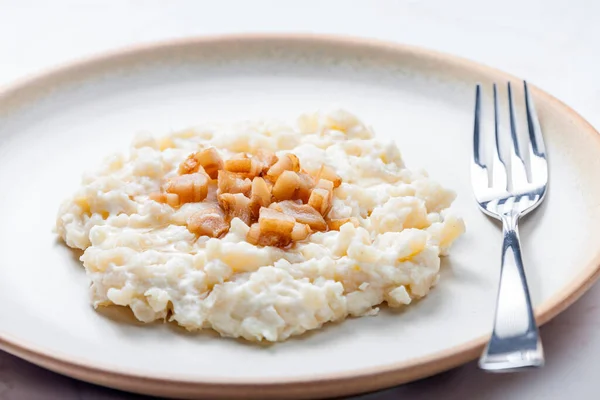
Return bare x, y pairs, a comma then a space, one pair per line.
508, 196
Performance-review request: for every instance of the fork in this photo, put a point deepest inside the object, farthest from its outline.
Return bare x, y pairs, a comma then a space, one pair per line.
508, 195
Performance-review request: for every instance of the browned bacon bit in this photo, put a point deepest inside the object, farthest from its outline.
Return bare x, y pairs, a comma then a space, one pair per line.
240, 164
302, 213
260, 197
210, 160
293, 186
295, 162
253, 236
258, 238
168, 198
305, 186
236, 205
264, 160
271, 220
274, 196
328, 173
273, 229
286, 185
190, 165
287, 162
336, 224
321, 196
208, 222
230, 182
191, 188
300, 232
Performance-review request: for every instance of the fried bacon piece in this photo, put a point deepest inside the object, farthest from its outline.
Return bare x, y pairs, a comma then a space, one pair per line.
167, 198
302, 213
274, 228
260, 196
236, 205
210, 160
279, 201
321, 196
264, 159
191, 188
271, 220
208, 222
305, 187
190, 165
326, 172
293, 186
287, 162
230, 182
300, 232
286, 185
241, 164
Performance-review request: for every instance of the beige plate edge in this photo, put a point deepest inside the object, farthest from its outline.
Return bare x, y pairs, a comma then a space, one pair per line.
352, 382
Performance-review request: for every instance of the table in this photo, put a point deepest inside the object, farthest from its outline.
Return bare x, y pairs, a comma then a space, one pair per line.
551, 43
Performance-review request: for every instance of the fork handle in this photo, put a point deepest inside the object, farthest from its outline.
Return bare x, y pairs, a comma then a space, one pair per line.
515, 341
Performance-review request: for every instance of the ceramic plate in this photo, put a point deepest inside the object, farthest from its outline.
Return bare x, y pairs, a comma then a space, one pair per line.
55, 126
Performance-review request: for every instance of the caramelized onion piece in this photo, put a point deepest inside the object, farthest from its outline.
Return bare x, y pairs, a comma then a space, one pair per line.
209, 222
191, 188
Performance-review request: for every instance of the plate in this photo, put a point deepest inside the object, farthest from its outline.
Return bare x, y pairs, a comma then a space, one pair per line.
54, 126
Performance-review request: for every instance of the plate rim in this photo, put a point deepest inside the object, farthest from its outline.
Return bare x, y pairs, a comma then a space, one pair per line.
307, 386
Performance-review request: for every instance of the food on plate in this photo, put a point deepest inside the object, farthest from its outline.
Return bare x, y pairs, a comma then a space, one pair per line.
260, 230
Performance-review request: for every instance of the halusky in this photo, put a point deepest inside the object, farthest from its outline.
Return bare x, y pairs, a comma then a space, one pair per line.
140, 251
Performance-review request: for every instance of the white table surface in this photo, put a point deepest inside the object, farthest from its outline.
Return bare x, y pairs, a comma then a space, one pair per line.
554, 44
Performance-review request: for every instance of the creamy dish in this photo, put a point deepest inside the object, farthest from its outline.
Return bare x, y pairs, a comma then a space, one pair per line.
260, 230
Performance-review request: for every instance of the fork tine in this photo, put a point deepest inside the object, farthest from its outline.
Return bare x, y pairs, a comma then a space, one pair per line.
537, 149
535, 132
518, 169
477, 129
479, 169
499, 179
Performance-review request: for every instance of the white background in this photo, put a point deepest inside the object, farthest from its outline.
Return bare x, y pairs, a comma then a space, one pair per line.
554, 44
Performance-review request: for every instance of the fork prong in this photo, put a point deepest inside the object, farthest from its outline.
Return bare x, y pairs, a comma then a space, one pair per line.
499, 179
477, 130
535, 132
537, 149
479, 170
518, 169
